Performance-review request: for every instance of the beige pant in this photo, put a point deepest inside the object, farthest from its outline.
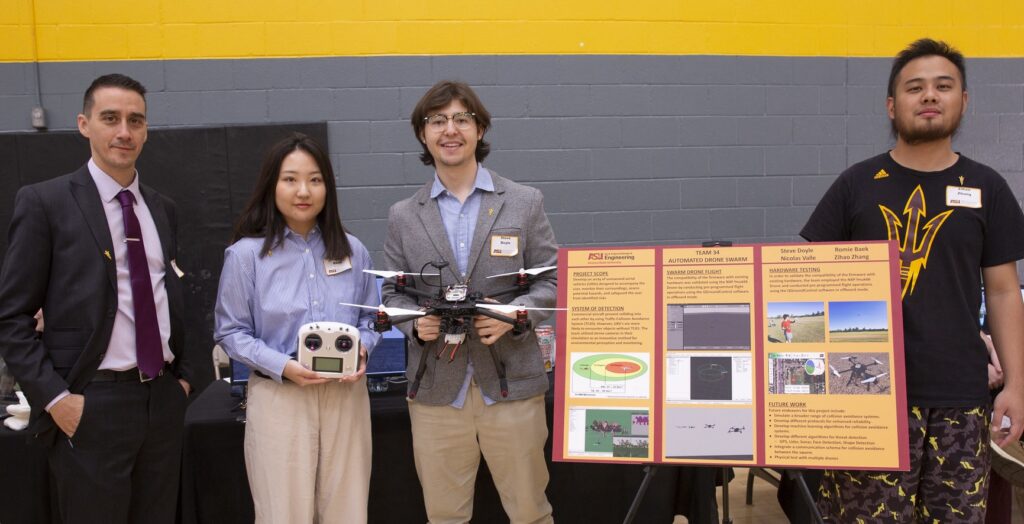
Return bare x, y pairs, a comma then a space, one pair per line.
447, 443
307, 451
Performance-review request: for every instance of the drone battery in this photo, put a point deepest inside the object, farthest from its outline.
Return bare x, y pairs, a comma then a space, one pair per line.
329, 348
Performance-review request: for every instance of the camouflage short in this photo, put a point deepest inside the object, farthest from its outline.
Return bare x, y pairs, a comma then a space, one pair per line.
947, 481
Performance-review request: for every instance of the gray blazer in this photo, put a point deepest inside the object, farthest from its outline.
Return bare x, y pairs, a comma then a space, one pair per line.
416, 236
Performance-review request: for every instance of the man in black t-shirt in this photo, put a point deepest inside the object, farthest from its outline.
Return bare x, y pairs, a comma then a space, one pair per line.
955, 222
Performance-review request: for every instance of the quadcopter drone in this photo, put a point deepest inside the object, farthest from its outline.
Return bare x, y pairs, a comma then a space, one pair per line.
456, 306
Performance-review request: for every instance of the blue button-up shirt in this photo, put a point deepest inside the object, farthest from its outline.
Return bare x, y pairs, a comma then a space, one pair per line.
262, 302
459, 219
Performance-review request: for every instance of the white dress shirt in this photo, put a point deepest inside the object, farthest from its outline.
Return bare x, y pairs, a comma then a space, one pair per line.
121, 350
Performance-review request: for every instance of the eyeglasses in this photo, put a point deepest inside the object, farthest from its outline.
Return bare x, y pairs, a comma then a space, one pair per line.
439, 122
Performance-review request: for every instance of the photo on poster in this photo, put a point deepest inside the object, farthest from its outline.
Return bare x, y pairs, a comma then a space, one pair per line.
859, 374
609, 432
709, 433
610, 375
796, 373
866, 321
709, 378
702, 327
795, 322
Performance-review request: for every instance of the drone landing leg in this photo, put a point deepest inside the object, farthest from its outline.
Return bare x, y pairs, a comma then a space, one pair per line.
420, 370
500, 369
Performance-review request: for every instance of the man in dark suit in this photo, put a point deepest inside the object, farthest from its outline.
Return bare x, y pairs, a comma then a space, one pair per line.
108, 379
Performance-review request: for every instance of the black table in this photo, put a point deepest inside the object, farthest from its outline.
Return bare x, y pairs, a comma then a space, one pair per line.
215, 489
24, 479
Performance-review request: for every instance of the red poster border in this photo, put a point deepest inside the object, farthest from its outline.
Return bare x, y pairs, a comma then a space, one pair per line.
561, 370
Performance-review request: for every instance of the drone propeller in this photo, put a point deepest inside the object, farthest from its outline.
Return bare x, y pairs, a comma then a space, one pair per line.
834, 372
872, 379
512, 308
391, 311
392, 274
879, 362
532, 271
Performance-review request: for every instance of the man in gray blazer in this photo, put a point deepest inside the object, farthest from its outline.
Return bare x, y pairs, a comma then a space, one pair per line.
480, 224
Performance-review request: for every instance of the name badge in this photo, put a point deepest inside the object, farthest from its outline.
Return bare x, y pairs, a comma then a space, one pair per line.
963, 197
333, 267
504, 245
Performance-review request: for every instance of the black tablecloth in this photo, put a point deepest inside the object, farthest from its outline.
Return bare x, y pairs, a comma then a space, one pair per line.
215, 489
24, 479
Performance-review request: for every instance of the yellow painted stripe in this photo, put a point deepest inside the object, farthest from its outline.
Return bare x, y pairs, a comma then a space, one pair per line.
69, 30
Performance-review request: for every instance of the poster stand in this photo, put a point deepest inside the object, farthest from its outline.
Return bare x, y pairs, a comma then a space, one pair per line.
805, 494
649, 471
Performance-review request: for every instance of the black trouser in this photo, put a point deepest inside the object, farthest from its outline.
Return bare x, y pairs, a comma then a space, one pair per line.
123, 463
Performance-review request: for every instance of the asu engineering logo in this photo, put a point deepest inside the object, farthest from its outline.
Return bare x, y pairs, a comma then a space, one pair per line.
914, 239
612, 257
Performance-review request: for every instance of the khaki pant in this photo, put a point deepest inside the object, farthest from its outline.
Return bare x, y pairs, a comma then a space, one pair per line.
447, 443
308, 451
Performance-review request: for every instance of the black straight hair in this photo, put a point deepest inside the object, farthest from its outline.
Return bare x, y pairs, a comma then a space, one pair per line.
112, 80
261, 218
926, 47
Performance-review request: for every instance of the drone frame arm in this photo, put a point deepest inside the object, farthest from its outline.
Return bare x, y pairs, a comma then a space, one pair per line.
413, 292
520, 323
496, 315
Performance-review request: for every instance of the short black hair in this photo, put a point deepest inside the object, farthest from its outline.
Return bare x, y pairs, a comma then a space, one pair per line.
439, 96
112, 80
926, 47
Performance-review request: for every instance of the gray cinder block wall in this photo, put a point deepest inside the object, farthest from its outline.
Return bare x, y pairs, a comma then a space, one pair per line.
627, 149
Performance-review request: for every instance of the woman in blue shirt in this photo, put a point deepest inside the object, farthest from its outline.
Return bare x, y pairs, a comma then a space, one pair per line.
307, 437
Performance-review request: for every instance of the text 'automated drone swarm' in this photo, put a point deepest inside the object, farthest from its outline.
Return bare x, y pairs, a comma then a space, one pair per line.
456, 306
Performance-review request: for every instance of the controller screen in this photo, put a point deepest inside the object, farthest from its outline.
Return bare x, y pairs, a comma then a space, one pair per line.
327, 364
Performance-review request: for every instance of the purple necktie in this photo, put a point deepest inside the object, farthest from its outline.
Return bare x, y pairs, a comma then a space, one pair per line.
148, 349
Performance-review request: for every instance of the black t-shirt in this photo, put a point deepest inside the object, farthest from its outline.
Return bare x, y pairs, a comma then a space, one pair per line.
949, 224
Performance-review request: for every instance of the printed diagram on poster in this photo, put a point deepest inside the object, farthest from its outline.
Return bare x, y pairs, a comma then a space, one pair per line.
779, 355
614, 375
709, 377
709, 433
796, 373
696, 327
608, 432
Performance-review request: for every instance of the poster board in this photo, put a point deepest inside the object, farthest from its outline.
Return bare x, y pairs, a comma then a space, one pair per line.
775, 355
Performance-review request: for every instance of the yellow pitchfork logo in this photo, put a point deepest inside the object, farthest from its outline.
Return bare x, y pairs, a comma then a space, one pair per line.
916, 239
